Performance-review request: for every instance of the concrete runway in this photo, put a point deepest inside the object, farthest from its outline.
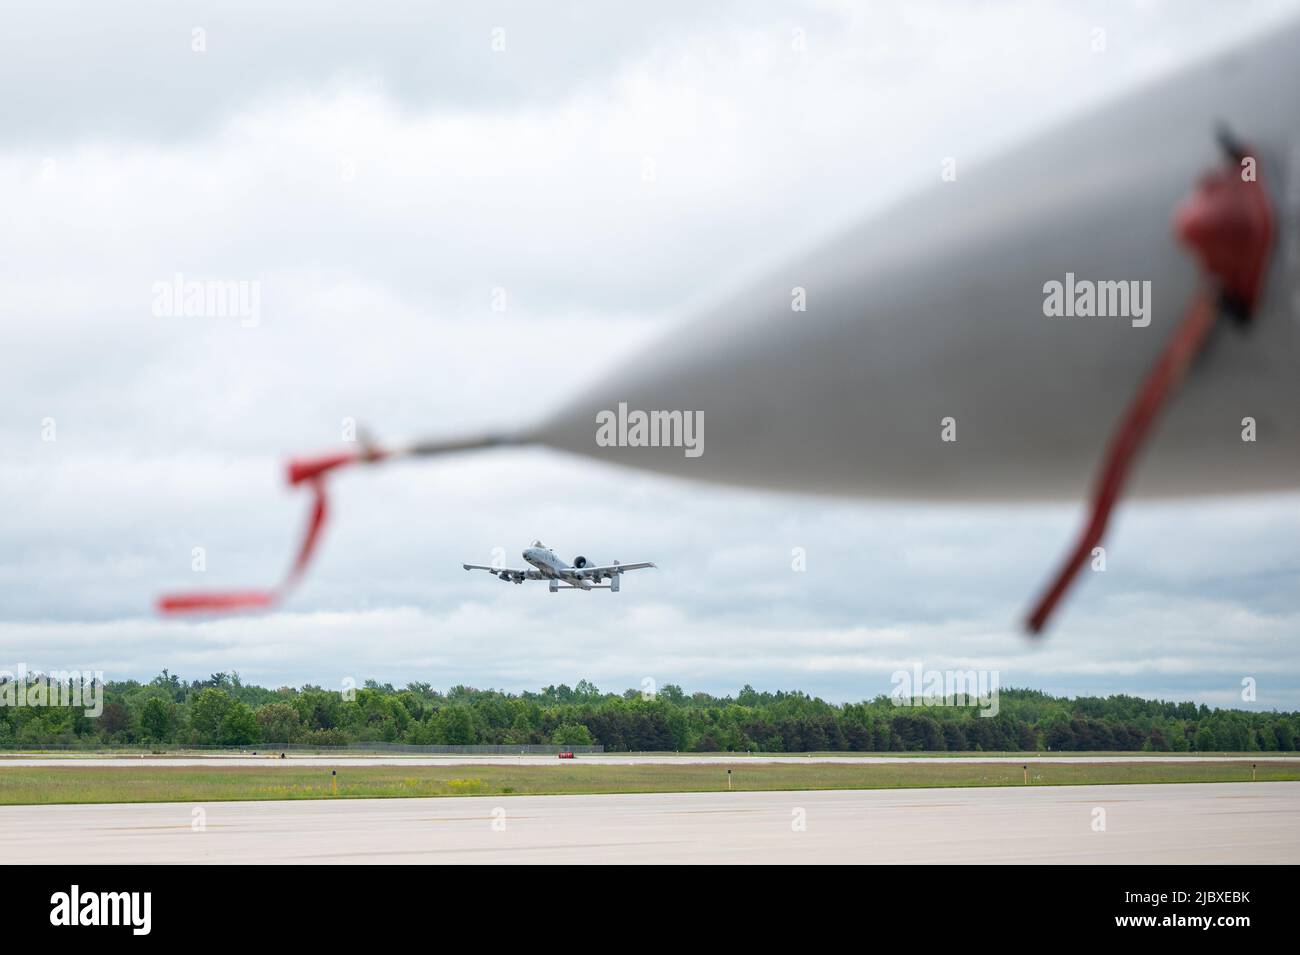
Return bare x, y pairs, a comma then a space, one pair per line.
608, 759
1174, 823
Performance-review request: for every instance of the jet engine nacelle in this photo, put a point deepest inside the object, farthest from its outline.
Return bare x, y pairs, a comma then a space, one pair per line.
580, 562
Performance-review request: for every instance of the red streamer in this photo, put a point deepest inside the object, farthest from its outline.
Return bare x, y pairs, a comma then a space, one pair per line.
1126, 442
1227, 222
307, 470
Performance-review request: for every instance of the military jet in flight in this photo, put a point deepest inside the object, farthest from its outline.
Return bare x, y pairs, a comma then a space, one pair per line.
547, 565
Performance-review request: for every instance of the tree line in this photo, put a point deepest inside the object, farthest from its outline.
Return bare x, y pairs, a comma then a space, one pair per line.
224, 711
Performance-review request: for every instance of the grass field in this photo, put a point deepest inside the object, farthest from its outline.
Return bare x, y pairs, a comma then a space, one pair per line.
27, 785
99, 752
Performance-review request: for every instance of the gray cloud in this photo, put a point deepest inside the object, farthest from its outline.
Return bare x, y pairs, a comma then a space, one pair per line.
130, 71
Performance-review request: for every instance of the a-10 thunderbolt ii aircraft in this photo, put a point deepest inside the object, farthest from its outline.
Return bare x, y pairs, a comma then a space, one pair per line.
547, 565
941, 318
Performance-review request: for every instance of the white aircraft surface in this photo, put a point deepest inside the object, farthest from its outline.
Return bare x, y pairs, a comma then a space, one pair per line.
547, 565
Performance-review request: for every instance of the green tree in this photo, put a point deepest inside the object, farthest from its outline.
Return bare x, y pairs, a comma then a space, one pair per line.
115, 720
571, 734
1205, 740
167, 709
457, 725
239, 725
158, 719
277, 723
207, 709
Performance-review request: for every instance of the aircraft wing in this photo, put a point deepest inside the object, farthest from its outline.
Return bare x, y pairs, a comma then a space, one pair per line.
932, 311
608, 569
511, 571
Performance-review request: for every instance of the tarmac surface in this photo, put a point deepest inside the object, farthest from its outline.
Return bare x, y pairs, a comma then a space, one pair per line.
1170, 823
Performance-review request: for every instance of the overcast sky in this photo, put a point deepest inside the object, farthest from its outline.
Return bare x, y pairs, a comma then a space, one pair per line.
379, 181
